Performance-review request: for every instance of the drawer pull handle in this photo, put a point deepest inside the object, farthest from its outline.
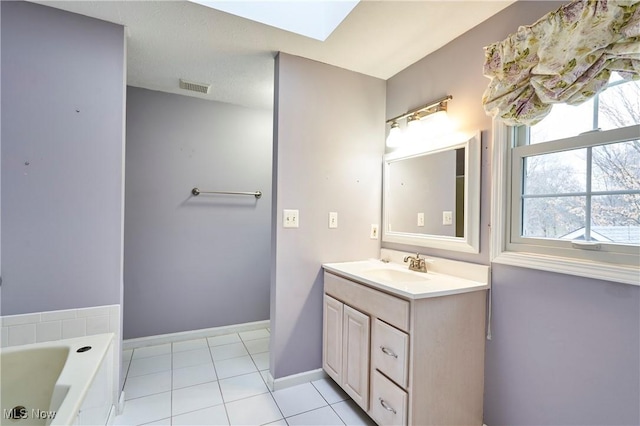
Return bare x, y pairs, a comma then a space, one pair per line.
388, 351
386, 406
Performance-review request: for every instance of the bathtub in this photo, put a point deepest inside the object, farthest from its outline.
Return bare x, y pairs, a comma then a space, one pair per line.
57, 383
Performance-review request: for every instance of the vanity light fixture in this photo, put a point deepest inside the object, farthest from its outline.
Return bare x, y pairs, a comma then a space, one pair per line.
430, 114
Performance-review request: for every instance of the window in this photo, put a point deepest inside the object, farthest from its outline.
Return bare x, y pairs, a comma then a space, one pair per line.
572, 186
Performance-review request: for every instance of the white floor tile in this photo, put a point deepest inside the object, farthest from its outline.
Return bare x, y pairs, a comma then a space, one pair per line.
324, 416
254, 334
330, 390
189, 345
257, 346
234, 367
256, 410
152, 351
149, 365
224, 339
146, 409
194, 375
127, 355
281, 422
261, 360
148, 384
195, 398
213, 416
232, 350
244, 386
191, 358
351, 414
298, 399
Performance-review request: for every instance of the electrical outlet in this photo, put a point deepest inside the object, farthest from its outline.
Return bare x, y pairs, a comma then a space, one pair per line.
421, 219
333, 219
447, 218
290, 218
374, 232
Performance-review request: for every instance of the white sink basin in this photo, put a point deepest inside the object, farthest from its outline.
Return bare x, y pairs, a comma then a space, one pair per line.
394, 275
397, 279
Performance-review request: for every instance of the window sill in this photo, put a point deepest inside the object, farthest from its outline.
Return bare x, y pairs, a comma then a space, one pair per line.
602, 271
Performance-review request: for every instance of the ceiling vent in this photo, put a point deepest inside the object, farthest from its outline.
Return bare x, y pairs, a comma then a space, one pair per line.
195, 87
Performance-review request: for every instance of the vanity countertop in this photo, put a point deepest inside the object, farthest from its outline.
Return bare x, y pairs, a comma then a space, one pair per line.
399, 280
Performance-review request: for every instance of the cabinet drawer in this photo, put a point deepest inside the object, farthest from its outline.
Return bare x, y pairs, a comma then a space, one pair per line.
390, 309
390, 352
388, 402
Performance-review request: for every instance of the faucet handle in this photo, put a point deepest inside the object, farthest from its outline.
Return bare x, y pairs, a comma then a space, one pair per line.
407, 258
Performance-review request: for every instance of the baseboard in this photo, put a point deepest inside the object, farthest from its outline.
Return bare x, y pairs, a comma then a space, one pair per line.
295, 379
160, 339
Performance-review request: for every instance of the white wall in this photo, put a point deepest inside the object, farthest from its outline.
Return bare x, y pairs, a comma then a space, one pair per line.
328, 146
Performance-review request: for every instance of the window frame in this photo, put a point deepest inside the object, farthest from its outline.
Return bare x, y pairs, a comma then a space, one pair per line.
536, 253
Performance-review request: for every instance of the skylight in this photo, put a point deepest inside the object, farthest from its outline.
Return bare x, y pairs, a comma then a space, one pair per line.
310, 18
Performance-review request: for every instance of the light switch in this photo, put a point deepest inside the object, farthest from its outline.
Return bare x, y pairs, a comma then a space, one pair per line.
333, 219
420, 219
290, 218
447, 218
374, 232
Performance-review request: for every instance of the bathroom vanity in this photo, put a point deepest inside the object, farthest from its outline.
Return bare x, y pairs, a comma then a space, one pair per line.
408, 347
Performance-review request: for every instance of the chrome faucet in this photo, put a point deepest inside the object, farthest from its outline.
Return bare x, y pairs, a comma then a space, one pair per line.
416, 263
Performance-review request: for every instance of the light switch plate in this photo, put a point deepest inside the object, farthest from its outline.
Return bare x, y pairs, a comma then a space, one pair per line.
447, 218
290, 218
333, 219
421, 219
374, 232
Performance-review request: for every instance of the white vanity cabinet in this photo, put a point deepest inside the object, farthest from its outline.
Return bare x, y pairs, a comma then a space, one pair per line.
346, 333
405, 361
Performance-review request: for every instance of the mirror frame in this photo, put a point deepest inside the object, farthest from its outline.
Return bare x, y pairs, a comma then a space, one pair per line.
470, 243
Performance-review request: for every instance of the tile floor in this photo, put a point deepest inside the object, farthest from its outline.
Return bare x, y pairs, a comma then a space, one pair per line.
222, 381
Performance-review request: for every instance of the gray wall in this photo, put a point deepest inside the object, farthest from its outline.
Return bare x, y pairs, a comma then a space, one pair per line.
424, 184
328, 148
195, 262
565, 350
62, 159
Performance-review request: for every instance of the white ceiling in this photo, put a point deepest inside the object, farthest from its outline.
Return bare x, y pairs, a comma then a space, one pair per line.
169, 40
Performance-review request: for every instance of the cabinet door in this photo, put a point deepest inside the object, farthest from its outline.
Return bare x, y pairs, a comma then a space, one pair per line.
332, 338
355, 361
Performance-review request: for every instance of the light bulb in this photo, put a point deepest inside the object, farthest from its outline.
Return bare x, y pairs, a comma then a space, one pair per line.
414, 128
395, 135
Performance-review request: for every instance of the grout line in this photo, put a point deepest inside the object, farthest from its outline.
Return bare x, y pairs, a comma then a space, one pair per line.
329, 404
215, 370
278, 407
338, 414
144, 396
200, 409
314, 409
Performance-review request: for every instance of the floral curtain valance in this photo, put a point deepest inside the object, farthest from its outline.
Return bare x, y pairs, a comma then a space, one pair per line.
567, 56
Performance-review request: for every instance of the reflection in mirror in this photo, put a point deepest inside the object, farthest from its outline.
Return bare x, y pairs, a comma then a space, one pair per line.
426, 194
432, 197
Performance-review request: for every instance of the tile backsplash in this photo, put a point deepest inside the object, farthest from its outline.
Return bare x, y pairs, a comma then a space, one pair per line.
57, 325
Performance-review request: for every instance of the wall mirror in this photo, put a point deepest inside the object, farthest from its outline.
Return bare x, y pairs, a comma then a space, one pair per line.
432, 196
